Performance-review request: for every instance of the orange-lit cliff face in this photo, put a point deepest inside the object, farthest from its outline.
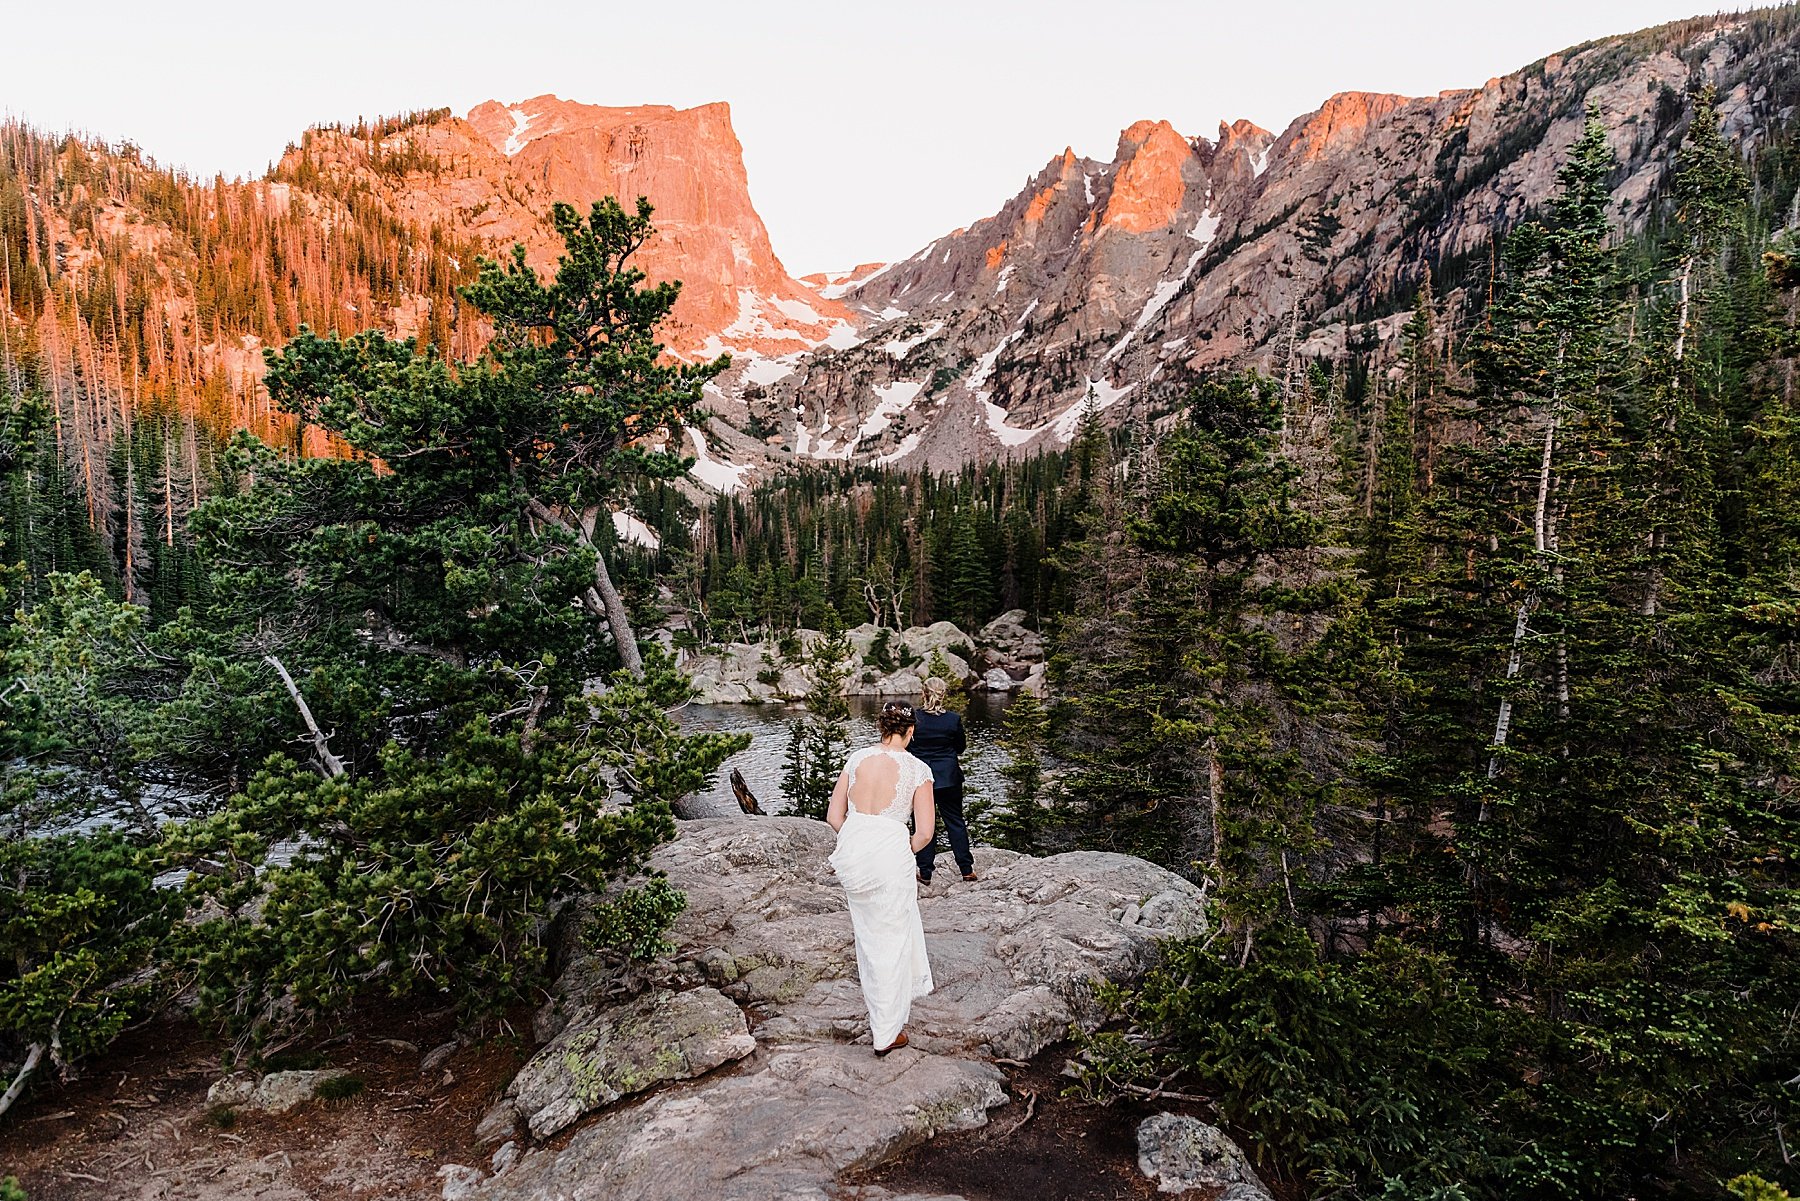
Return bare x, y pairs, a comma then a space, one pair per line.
128, 285
494, 175
1343, 120
1156, 169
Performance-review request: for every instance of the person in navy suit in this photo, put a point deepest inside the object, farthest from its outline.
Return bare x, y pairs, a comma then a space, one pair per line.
938, 739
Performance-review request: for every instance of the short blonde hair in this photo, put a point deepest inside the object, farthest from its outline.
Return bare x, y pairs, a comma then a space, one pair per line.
937, 691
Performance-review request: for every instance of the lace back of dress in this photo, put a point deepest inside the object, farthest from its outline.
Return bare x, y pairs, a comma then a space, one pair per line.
904, 783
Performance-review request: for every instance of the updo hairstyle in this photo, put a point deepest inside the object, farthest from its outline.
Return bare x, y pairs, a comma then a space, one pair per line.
896, 718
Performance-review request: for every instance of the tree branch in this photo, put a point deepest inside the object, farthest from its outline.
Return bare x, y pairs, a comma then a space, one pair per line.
617, 619
32, 1058
332, 766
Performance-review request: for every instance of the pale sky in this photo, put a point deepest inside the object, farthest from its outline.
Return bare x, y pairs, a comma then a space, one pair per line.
868, 128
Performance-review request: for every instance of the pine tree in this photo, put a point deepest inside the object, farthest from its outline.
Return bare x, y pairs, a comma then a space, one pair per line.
817, 745
1019, 824
421, 616
1195, 732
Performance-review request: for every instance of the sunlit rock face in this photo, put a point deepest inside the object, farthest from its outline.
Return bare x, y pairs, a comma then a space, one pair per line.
1123, 281
495, 174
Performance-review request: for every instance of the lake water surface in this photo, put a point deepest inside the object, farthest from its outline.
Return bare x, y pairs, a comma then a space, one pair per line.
768, 727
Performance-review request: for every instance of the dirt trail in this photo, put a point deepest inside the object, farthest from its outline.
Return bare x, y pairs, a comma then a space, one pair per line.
1068, 1150
138, 1125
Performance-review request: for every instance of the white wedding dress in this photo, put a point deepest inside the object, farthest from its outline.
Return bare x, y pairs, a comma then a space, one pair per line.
874, 860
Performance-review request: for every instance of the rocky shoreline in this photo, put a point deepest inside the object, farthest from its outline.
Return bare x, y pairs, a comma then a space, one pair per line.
1003, 656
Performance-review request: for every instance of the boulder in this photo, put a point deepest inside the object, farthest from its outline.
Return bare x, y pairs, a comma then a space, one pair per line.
785, 1131
998, 679
1035, 682
959, 667
1008, 641
711, 691
939, 635
460, 1181
793, 684
862, 638
276, 1092
609, 1051
281, 1091
232, 1091
1183, 1154
908, 681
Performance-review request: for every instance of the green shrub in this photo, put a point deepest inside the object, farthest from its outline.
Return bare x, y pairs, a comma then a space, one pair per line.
1372, 1076
634, 921
294, 1061
339, 1088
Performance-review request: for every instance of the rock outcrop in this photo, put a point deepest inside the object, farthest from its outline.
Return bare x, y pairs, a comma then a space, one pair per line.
276, 1092
1015, 956
1005, 656
494, 174
603, 1054
1185, 1155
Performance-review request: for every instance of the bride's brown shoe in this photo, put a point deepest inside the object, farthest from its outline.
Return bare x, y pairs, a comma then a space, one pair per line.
898, 1042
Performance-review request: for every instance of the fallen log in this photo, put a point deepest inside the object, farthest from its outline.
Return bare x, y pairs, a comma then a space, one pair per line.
745, 798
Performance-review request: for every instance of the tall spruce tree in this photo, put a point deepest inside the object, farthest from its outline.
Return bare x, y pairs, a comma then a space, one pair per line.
1205, 715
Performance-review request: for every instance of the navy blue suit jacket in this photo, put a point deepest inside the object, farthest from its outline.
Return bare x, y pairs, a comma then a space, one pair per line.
938, 739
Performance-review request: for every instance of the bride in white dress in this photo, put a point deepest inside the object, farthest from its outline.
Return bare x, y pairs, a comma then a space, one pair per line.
879, 788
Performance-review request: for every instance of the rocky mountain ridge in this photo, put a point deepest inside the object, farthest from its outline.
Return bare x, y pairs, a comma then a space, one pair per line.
1123, 280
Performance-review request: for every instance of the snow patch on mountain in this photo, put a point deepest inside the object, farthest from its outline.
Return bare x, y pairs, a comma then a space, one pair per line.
907, 445
1206, 228
765, 371
516, 140
799, 310
839, 283
1009, 435
1105, 396
716, 474
899, 348
631, 528
892, 400
843, 335
752, 321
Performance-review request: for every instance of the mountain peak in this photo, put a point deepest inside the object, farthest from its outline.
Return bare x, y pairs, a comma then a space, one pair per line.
1342, 120
1156, 164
